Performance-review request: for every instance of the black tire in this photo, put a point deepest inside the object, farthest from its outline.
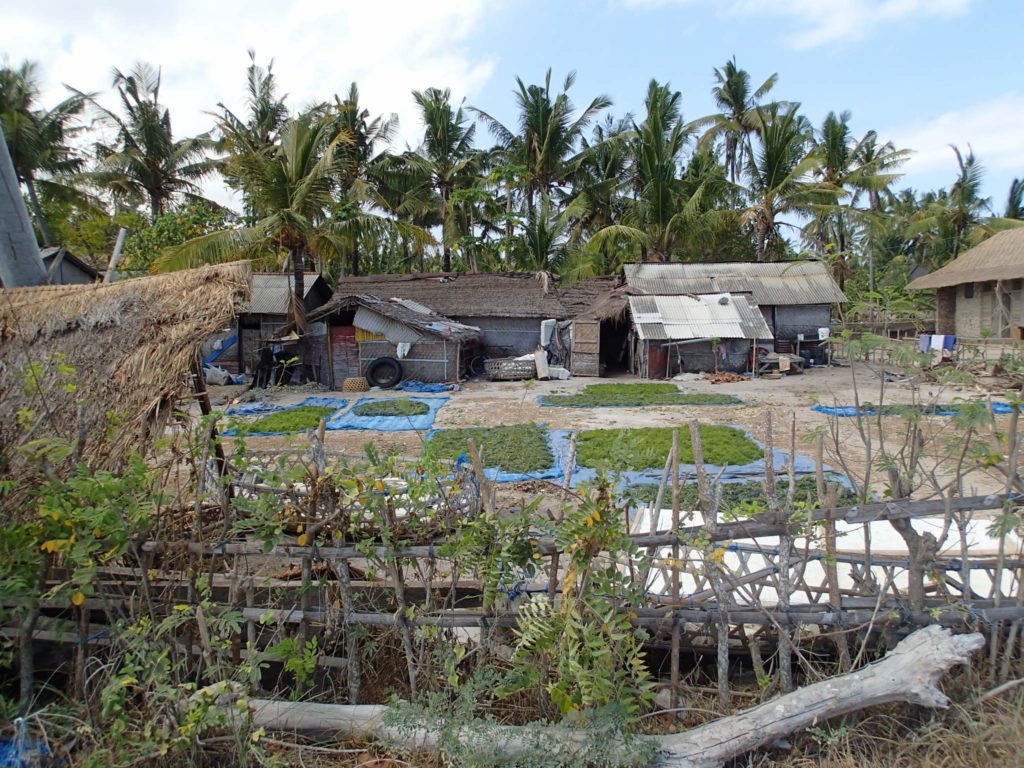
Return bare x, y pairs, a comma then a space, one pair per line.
476, 366
384, 372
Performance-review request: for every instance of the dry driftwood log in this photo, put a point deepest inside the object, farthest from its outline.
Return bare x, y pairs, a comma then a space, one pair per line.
908, 673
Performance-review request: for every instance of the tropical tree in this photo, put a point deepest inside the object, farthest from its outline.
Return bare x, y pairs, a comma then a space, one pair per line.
737, 116
1015, 201
145, 164
445, 161
258, 132
779, 176
548, 135
38, 140
291, 188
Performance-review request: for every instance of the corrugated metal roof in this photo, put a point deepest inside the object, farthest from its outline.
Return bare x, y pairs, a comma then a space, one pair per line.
1001, 257
271, 292
769, 283
391, 329
712, 316
396, 320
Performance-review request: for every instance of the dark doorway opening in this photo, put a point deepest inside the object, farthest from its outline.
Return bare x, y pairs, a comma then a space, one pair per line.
614, 347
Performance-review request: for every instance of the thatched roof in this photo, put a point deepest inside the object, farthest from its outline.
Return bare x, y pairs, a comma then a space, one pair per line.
119, 350
385, 314
481, 294
1001, 257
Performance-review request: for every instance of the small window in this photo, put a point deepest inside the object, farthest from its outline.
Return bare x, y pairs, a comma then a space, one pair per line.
968, 290
987, 287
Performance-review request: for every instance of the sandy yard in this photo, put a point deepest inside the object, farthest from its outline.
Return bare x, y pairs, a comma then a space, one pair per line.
485, 403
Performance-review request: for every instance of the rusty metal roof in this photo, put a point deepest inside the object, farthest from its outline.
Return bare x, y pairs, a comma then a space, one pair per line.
711, 316
397, 320
1001, 257
768, 283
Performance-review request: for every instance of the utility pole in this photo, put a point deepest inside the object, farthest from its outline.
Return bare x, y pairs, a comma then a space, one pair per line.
20, 263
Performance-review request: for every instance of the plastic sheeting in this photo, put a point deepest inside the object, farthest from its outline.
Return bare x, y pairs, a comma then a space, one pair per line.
412, 385
802, 465
950, 409
424, 421
337, 403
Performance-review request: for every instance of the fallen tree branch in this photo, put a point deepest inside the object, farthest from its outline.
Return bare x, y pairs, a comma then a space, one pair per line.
908, 673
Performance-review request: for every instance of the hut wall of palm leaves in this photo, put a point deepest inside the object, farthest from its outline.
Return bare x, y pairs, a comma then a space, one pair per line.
107, 362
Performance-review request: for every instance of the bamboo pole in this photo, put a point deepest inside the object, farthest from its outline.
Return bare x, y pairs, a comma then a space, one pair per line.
674, 673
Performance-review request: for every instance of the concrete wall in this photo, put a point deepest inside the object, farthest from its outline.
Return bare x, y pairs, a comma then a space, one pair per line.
506, 336
975, 316
804, 318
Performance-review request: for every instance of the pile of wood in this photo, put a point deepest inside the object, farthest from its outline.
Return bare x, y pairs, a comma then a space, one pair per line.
724, 377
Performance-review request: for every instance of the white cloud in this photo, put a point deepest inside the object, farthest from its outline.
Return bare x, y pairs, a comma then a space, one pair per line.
319, 47
992, 128
825, 22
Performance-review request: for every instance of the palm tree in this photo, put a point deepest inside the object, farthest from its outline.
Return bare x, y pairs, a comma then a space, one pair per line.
1015, 201
446, 160
38, 139
145, 163
291, 188
548, 134
736, 118
778, 175
259, 131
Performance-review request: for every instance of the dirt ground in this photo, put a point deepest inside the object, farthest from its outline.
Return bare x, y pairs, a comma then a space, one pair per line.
485, 403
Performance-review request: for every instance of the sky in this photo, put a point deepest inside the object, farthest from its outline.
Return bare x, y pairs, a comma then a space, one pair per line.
922, 73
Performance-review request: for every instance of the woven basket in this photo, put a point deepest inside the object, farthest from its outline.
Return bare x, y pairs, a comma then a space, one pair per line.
356, 384
510, 369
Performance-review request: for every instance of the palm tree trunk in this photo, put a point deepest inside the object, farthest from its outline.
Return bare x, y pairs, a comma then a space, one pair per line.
299, 275
38, 211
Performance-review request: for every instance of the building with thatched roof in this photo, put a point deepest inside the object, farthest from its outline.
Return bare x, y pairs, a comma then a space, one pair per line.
507, 307
981, 292
362, 329
78, 360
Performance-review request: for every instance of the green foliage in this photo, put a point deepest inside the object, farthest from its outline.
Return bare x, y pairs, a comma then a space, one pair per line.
747, 495
518, 448
625, 395
401, 407
147, 242
636, 449
291, 420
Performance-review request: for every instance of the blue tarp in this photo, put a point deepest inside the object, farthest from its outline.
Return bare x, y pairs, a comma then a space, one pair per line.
802, 465
224, 347
948, 409
250, 409
540, 399
337, 403
412, 385
559, 449
350, 420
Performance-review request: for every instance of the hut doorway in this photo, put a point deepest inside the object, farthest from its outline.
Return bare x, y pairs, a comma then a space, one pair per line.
615, 358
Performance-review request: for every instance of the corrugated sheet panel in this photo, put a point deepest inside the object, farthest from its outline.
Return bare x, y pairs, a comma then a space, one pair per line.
768, 283
392, 330
270, 293
677, 318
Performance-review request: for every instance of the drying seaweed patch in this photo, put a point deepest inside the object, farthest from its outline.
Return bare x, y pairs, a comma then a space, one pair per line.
632, 395
747, 494
519, 448
638, 449
399, 407
291, 420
